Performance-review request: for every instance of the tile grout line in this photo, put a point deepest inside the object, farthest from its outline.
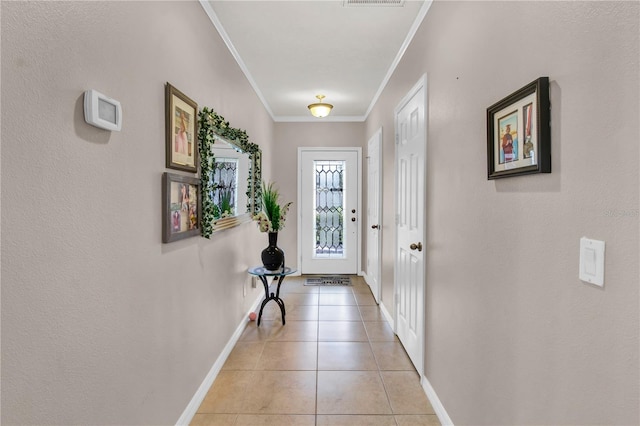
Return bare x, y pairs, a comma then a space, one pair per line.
362, 321
386, 393
315, 417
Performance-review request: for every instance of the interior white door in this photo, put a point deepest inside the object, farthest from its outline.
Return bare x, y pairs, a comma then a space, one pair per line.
374, 196
329, 222
410, 187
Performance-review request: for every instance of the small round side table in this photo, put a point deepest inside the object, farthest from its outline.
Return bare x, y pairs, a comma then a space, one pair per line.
262, 273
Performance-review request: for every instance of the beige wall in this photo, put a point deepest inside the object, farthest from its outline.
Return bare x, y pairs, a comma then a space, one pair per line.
101, 322
288, 138
512, 335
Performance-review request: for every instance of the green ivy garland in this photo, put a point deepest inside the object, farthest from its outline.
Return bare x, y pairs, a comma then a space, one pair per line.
211, 124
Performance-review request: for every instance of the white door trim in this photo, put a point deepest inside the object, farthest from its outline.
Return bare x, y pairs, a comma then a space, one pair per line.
377, 140
359, 214
421, 85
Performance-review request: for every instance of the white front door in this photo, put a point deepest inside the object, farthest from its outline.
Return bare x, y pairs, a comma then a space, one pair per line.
374, 167
410, 187
329, 222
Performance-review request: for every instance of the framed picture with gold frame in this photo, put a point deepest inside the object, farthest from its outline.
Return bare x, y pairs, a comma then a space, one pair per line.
181, 117
519, 132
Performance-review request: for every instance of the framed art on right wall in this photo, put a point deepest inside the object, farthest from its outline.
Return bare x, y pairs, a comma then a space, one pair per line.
519, 132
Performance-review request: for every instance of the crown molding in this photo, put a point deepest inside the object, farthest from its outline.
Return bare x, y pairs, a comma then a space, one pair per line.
407, 41
300, 119
227, 41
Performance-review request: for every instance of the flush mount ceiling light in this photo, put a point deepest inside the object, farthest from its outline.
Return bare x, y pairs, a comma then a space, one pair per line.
373, 3
320, 109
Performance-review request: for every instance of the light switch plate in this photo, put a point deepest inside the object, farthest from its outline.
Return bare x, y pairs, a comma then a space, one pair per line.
592, 261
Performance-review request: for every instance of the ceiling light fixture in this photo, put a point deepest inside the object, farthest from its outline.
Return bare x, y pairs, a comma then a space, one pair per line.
320, 109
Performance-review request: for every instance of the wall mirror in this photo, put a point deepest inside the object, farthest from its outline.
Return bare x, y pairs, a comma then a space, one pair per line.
230, 174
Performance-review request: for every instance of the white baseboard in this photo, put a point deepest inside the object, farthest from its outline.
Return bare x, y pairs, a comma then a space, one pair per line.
189, 412
194, 404
387, 315
444, 418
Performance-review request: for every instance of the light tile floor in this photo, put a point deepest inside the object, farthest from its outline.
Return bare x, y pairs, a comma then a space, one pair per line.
335, 362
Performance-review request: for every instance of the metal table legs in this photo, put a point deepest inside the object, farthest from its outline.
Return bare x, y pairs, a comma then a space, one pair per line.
268, 297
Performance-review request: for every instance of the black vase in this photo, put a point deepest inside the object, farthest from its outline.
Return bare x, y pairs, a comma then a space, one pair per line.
273, 256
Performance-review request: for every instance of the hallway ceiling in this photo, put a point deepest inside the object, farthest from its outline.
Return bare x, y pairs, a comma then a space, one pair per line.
291, 51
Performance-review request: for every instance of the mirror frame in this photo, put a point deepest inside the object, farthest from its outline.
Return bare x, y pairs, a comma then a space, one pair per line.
213, 127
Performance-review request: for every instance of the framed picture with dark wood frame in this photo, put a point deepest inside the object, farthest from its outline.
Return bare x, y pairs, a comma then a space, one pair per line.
181, 117
180, 207
519, 132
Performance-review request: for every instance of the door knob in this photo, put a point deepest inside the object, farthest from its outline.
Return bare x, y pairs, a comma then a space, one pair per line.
415, 246
375, 227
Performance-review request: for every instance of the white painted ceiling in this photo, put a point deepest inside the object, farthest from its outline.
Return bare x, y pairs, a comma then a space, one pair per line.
293, 50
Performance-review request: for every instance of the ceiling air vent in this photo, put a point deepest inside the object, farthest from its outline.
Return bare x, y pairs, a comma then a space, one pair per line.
373, 3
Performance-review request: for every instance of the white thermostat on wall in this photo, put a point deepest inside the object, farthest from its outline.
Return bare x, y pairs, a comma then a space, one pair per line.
102, 111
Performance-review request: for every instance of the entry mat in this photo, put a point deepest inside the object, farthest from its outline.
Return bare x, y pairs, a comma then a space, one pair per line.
328, 280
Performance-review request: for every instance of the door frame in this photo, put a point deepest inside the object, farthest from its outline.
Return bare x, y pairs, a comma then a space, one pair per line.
359, 215
420, 86
376, 139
